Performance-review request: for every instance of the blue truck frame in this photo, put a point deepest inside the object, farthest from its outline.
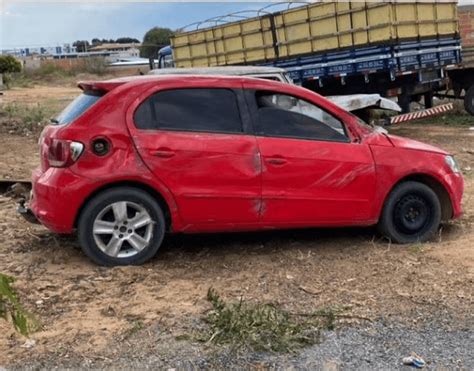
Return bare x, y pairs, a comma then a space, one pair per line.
407, 69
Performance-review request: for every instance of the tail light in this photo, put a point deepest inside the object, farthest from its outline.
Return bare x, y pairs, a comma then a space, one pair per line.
63, 153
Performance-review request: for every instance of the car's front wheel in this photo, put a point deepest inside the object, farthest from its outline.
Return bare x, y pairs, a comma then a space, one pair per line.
412, 213
121, 226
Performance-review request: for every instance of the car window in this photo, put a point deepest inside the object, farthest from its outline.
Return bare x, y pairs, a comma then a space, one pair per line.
207, 110
77, 107
287, 116
166, 61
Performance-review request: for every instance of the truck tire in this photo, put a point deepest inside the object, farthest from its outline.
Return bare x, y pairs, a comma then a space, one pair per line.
469, 100
404, 101
428, 99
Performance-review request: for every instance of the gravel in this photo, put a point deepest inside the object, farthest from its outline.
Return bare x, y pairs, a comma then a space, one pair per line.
380, 345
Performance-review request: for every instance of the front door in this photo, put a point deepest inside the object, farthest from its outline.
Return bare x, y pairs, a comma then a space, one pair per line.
194, 142
312, 173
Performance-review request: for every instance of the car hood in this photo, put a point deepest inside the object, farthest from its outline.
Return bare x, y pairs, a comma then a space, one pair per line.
406, 143
380, 137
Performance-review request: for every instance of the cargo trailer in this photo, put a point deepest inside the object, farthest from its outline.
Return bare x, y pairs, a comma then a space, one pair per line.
336, 48
461, 78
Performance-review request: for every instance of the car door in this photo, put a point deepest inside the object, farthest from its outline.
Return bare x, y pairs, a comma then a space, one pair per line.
312, 174
193, 140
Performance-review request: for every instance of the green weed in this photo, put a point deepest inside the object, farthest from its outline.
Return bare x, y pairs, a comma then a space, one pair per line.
11, 309
262, 327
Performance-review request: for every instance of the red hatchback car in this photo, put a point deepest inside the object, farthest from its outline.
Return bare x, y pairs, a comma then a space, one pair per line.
131, 159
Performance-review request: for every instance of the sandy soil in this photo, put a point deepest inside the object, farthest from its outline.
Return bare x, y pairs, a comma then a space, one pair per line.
84, 309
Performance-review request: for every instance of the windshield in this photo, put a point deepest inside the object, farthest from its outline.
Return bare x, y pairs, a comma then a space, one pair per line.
76, 108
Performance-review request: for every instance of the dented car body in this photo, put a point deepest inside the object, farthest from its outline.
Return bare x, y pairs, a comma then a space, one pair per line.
212, 154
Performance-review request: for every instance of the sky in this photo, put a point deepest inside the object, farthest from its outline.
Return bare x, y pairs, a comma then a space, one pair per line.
43, 23
50, 24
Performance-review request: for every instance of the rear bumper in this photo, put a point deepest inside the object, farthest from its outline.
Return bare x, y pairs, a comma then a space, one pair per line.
56, 197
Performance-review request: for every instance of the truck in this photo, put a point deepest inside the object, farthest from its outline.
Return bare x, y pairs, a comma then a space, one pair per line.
461, 78
396, 49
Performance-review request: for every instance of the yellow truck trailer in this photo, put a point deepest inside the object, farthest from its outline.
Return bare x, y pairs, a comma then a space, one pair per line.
393, 48
312, 29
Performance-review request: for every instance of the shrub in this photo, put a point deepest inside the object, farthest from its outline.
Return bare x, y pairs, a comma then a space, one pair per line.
9, 64
96, 66
262, 327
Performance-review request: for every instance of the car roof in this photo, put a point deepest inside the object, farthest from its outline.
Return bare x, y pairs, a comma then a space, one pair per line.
108, 85
222, 70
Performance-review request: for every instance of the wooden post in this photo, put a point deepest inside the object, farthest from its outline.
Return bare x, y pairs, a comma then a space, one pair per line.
1, 82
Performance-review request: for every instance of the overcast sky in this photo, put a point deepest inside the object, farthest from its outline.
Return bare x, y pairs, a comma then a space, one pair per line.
54, 23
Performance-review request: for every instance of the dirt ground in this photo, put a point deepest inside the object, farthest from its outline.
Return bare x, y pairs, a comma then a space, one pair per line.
89, 314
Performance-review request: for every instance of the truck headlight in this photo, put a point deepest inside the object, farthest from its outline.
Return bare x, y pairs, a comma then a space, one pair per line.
451, 162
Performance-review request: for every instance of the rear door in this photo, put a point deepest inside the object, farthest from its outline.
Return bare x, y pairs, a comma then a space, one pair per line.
312, 174
195, 142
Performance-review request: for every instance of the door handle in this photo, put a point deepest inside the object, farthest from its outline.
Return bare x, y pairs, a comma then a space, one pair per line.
163, 153
276, 160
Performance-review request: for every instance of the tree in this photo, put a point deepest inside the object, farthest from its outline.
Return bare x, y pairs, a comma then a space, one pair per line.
96, 41
126, 40
154, 40
81, 45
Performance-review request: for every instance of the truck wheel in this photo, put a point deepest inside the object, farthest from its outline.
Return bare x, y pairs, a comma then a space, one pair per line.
428, 99
469, 100
404, 101
121, 226
412, 213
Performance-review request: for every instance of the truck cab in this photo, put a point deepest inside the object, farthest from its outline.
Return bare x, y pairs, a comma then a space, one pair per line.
165, 57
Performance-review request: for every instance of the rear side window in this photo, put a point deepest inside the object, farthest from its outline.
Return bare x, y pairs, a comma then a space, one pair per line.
207, 110
77, 107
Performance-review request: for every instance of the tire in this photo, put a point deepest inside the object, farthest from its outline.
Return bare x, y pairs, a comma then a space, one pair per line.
412, 213
469, 100
121, 226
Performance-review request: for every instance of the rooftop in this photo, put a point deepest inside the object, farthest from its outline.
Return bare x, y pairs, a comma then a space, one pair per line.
108, 46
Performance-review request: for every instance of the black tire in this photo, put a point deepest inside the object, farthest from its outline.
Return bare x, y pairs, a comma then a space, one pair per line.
132, 196
469, 100
412, 213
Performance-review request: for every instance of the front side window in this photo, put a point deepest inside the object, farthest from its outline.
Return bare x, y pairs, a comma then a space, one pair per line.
281, 115
166, 61
206, 110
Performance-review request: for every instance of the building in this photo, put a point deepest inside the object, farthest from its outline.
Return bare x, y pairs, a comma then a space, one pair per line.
117, 51
45, 51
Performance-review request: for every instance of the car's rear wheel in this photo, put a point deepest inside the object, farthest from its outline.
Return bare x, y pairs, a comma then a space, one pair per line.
121, 226
412, 213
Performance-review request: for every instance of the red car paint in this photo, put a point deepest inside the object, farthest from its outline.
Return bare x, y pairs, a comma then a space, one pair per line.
226, 182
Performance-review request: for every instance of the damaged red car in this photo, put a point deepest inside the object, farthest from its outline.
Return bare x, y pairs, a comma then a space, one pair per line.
132, 159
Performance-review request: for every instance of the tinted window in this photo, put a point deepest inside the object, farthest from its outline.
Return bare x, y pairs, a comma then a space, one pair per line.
286, 116
208, 110
76, 108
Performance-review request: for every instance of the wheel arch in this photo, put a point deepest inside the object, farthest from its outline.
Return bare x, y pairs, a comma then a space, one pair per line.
134, 184
435, 185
